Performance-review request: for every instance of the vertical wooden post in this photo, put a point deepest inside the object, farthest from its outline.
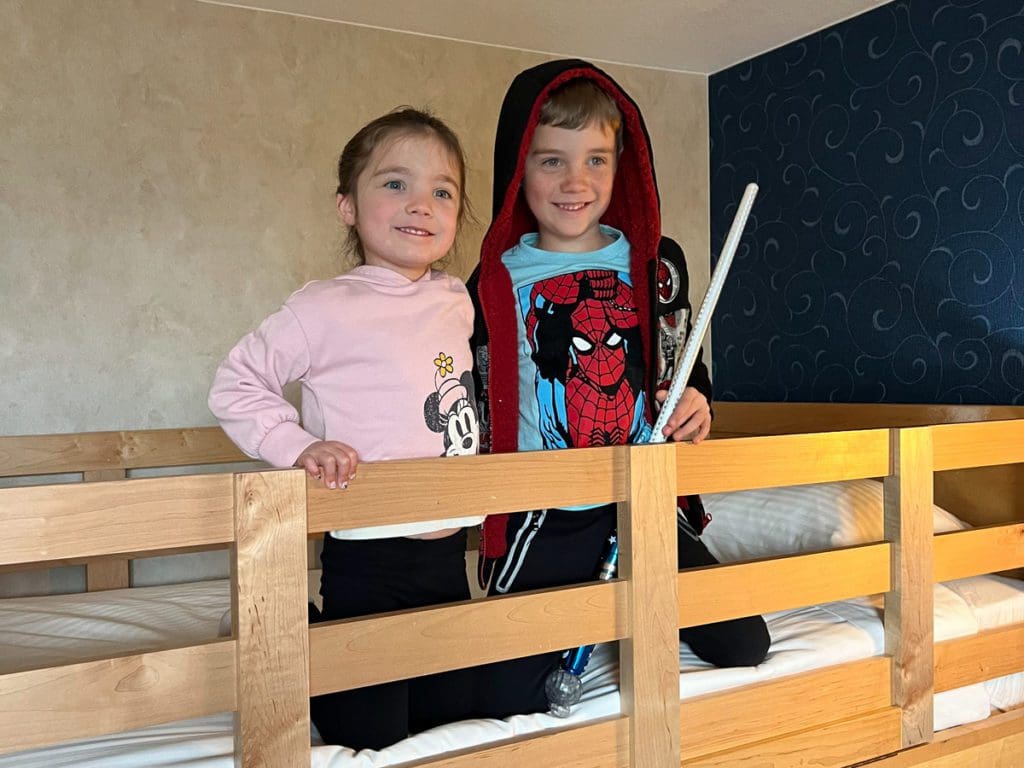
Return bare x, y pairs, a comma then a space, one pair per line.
649, 657
270, 620
108, 573
909, 606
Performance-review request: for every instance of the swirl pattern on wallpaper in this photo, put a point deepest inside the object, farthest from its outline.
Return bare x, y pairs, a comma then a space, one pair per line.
884, 258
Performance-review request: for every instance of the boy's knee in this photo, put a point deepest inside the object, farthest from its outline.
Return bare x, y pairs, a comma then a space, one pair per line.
735, 643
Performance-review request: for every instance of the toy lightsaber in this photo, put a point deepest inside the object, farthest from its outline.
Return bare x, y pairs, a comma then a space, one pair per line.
686, 361
563, 685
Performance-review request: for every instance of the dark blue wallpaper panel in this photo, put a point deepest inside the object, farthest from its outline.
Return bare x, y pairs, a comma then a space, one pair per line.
884, 259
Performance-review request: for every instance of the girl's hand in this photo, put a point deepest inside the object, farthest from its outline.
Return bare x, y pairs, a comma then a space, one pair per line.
330, 461
691, 419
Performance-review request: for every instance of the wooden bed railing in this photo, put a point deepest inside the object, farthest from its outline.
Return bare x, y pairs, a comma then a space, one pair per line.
262, 516
844, 714
102, 456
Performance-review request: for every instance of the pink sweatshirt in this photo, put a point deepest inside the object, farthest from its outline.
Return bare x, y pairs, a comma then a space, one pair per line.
384, 365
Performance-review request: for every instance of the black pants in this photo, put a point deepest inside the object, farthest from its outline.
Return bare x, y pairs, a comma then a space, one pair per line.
551, 548
362, 577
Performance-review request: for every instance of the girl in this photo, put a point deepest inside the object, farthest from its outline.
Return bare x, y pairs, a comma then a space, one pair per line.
382, 356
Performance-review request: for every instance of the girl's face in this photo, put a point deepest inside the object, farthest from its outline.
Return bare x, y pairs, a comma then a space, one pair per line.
405, 206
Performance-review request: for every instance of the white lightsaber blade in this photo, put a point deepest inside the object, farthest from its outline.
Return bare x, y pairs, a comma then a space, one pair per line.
686, 361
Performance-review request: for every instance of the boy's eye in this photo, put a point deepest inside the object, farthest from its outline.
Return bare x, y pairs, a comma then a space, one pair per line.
549, 162
394, 184
598, 160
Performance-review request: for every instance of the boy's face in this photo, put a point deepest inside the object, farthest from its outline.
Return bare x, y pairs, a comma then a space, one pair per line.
568, 185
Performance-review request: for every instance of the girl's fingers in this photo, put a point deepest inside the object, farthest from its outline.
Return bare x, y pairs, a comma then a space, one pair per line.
353, 460
330, 470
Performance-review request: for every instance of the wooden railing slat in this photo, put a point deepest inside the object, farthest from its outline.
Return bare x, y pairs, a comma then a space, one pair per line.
89, 519
980, 444
427, 489
112, 695
649, 655
978, 550
985, 656
716, 466
764, 586
270, 620
90, 451
356, 652
770, 709
601, 744
909, 605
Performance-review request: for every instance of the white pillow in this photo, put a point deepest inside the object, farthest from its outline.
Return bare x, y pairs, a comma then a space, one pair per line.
781, 521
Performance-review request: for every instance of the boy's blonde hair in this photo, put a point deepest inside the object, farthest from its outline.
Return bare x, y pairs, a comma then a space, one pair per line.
580, 103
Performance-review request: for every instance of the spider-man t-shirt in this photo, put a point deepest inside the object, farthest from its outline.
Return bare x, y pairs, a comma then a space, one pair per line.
581, 369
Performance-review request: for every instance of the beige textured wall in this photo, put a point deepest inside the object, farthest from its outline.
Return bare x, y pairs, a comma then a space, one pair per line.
166, 177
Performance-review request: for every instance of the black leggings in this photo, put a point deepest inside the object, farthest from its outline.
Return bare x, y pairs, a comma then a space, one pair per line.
362, 577
552, 548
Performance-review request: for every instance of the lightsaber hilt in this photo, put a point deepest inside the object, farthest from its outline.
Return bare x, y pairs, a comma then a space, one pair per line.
577, 660
563, 686
688, 359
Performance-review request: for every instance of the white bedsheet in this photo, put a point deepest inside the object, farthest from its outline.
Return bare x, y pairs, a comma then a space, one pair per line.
153, 617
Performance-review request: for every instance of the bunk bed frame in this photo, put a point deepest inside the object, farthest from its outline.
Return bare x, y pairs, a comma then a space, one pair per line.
876, 711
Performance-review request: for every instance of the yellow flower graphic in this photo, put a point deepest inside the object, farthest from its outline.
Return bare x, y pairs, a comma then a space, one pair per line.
445, 364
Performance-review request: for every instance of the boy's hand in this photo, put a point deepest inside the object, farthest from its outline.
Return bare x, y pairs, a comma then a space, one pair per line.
330, 461
691, 419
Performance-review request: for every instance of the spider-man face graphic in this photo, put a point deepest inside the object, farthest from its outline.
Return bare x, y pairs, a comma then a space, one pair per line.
597, 344
584, 333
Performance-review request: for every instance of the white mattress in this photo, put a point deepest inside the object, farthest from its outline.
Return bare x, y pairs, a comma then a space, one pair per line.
40, 631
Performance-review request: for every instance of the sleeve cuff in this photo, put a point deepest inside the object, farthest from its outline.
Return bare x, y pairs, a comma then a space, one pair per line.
283, 444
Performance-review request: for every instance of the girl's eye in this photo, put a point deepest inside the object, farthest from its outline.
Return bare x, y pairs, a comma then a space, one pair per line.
394, 184
444, 194
599, 160
549, 162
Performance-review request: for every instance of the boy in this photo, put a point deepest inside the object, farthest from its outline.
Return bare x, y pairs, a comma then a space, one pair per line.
581, 308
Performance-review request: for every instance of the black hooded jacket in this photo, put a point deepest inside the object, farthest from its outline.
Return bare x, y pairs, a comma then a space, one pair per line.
657, 266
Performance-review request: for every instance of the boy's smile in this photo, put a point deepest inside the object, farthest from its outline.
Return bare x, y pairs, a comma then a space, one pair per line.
568, 185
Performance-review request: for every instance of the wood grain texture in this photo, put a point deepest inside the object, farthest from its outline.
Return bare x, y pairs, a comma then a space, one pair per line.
106, 573
602, 744
763, 586
355, 652
909, 605
88, 519
833, 745
978, 445
117, 694
957, 491
649, 656
737, 419
997, 742
91, 451
715, 466
774, 708
979, 550
270, 620
428, 489
987, 655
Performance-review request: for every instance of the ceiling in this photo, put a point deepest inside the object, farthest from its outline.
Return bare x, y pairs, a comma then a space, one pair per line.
700, 36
